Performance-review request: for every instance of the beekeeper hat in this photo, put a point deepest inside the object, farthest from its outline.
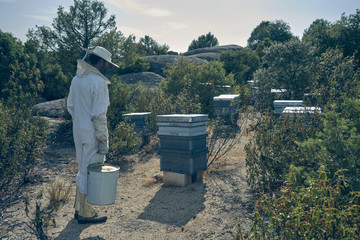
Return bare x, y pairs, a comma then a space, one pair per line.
101, 52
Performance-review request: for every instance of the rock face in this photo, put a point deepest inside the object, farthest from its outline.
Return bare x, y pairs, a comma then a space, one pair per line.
146, 79
160, 62
211, 53
53, 109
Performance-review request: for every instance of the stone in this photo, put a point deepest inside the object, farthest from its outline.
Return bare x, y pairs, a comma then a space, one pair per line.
53, 109
146, 79
160, 62
182, 180
176, 179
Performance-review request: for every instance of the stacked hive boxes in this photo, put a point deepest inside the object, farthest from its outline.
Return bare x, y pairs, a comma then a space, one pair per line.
226, 106
183, 147
141, 121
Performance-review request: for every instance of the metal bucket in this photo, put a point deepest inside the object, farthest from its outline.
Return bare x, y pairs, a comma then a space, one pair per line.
102, 183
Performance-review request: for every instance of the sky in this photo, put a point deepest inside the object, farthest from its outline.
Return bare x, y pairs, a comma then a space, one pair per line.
178, 22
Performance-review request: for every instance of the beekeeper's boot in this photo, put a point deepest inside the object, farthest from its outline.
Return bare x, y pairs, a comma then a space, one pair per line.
77, 203
86, 213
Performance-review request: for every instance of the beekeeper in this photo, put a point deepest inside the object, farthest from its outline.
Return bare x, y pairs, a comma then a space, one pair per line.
87, 103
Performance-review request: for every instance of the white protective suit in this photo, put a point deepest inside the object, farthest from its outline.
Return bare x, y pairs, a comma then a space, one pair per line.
87, 103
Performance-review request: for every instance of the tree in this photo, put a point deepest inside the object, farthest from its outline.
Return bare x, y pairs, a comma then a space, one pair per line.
11, 50
148, 46
348, 34
277, 31
202, 82
132, 60
267, 42
80, 26
60, 46
114, 42
241, 63
290, 65
343, 34
319, 35
208, 40
19, 75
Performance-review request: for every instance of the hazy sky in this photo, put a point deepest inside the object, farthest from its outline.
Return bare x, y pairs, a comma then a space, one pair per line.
177, 22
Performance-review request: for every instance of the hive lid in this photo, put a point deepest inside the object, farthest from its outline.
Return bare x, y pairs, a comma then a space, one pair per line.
98, 167
226, 97
137, 114
182, 118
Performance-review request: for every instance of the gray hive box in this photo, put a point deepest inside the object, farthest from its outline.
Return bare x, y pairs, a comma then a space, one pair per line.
140, 119
226, 106
183, 147
186, 125
279, 105
183, 162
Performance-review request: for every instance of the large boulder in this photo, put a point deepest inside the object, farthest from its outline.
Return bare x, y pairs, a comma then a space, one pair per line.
53, 109
208, 56
160, 62
211, 53
146, 79
217, 49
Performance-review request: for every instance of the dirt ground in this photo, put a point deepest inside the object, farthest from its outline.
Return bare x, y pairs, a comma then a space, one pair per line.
144, 208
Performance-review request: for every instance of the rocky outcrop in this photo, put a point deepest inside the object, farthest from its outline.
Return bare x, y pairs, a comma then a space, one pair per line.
53, 109
208, 56
160, 62
146, 79
217, 49
211, 53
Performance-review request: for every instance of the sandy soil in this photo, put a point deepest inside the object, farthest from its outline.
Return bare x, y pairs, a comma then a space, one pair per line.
144, 207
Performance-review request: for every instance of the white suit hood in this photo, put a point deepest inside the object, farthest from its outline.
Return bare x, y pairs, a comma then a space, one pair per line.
83, 68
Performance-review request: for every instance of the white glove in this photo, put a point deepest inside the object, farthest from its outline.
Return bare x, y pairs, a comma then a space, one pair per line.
103, 148
97, 158
101, 132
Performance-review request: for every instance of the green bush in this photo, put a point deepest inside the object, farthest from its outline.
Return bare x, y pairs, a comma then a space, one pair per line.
322, 210
201, 82
336, 144
123, 140
275, 148
22, 140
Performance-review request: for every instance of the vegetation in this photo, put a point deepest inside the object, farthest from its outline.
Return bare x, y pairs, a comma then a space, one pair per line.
207, 40
290, 160
323, 209
57, 194
275, 31
22, 135
202, 82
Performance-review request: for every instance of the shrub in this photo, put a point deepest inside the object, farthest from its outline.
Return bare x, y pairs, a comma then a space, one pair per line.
123, 140
275, 148
321, 210
58, 193
201, 82
22, 140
